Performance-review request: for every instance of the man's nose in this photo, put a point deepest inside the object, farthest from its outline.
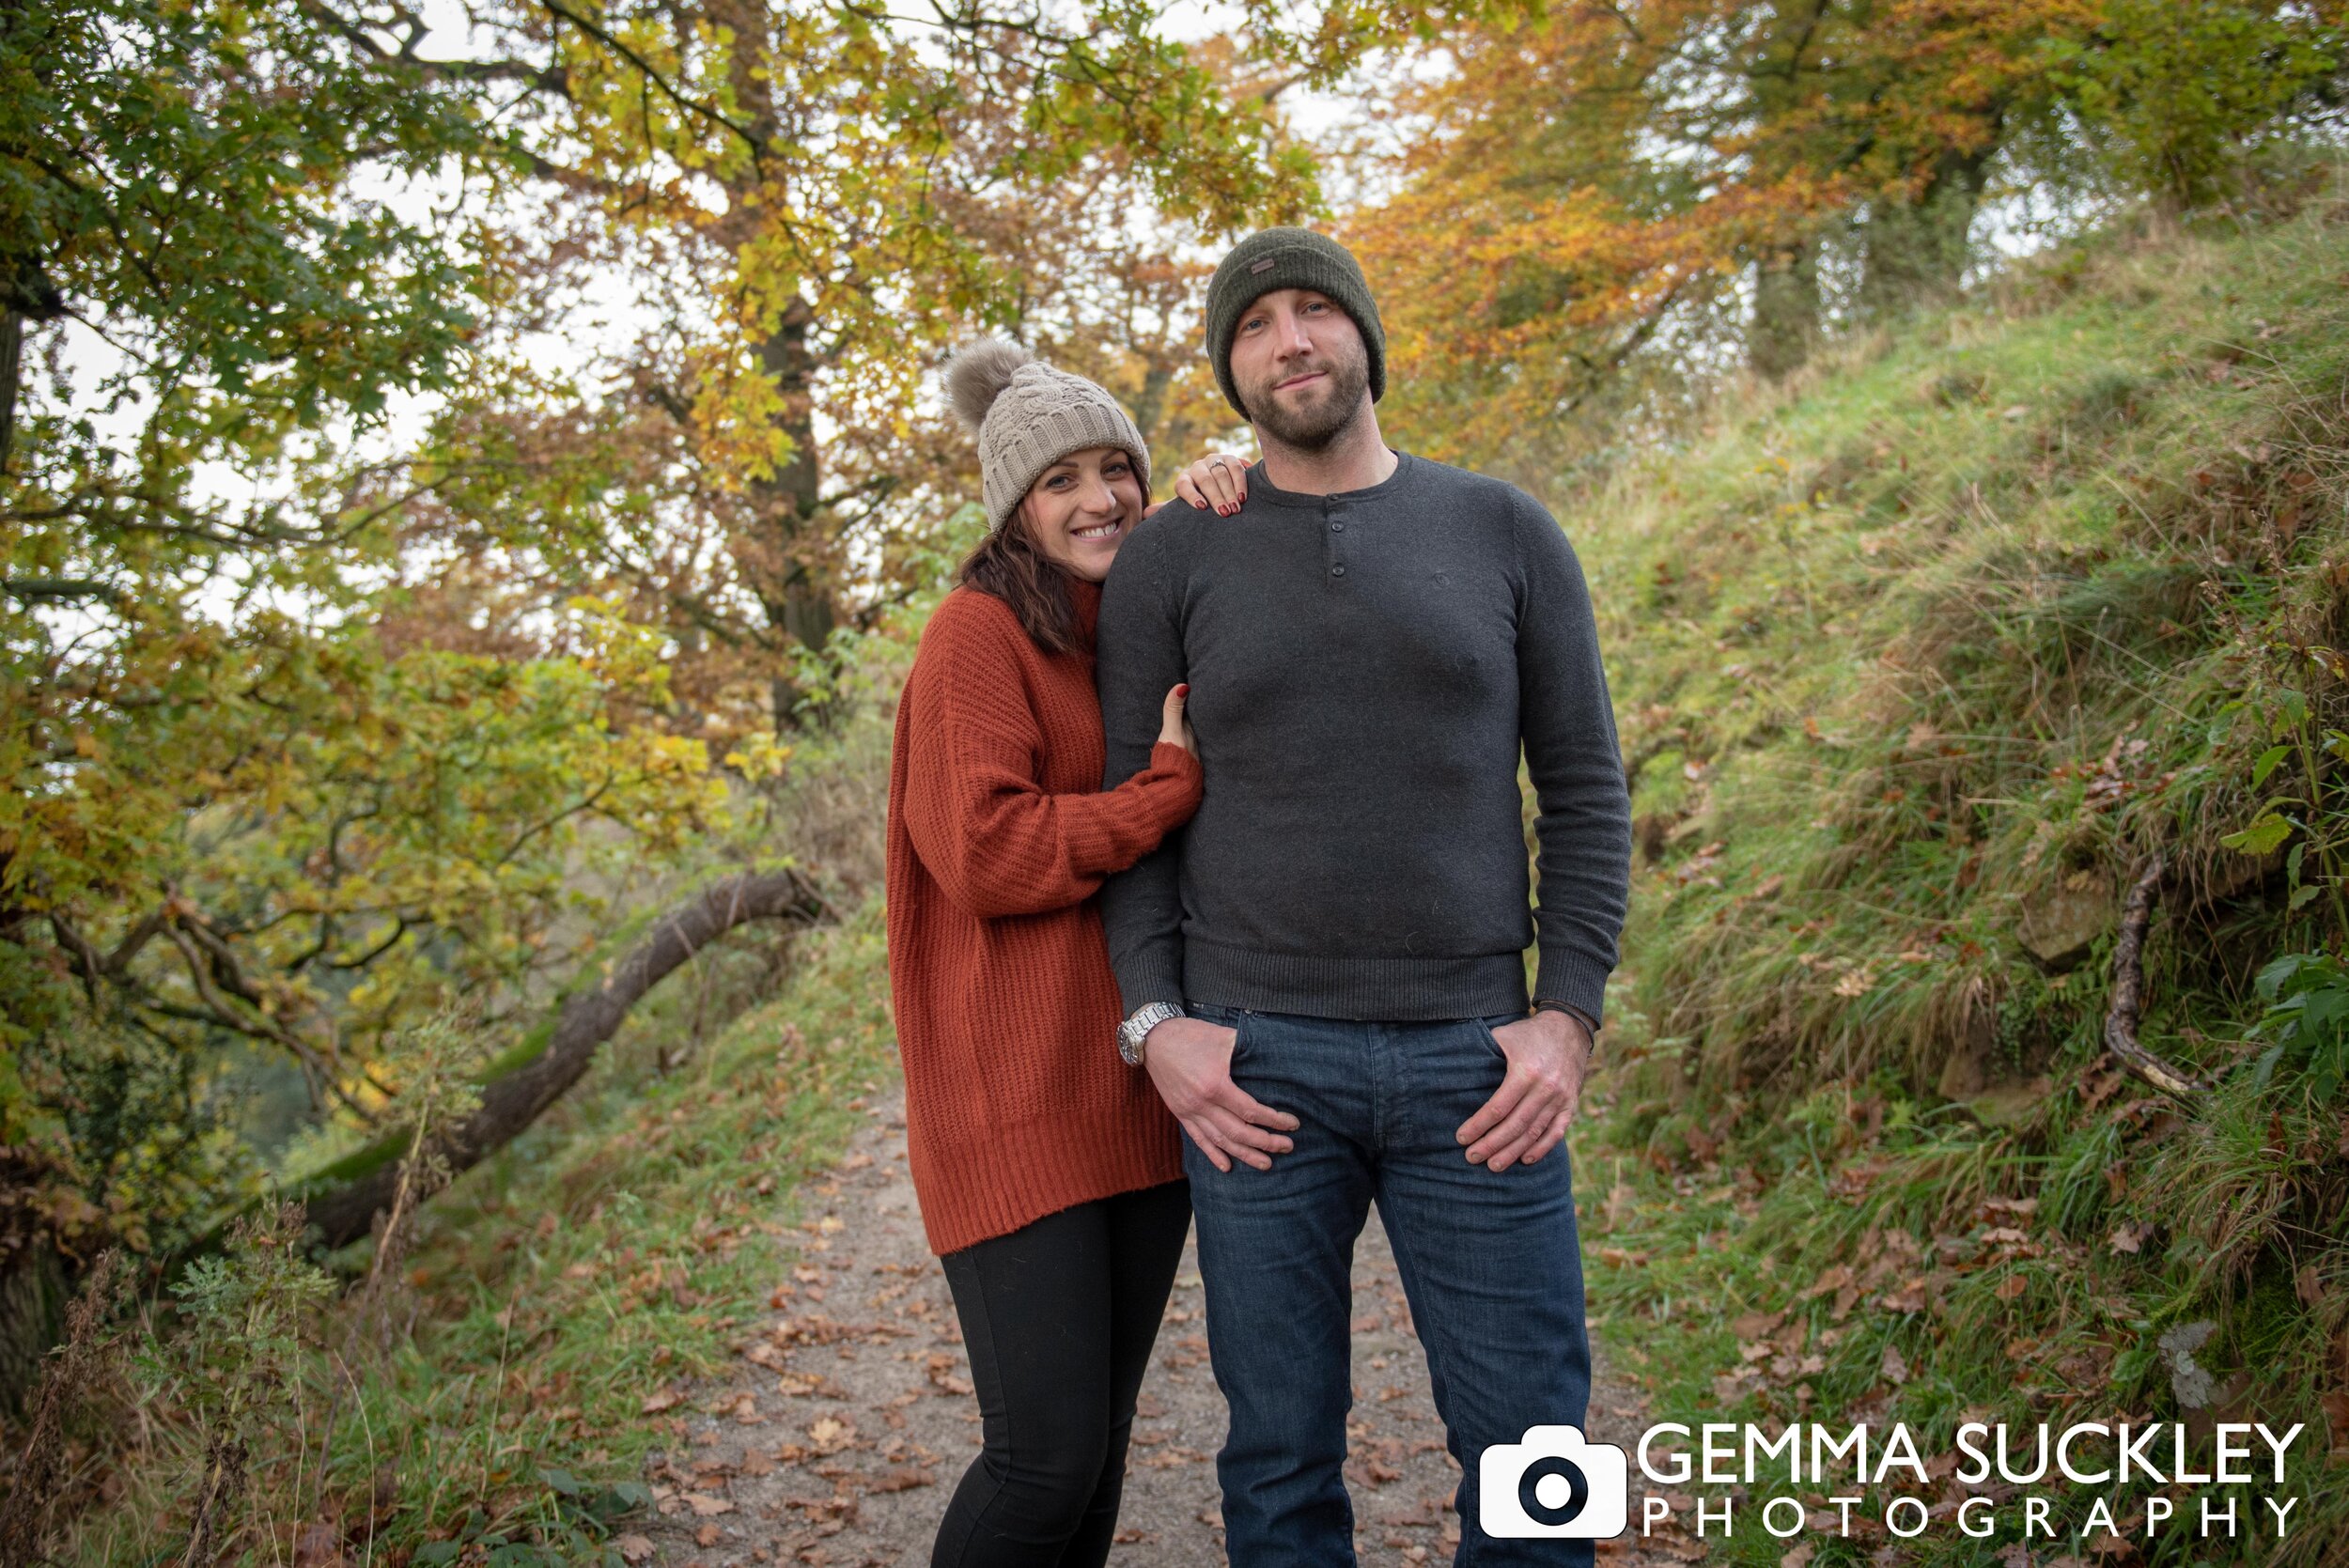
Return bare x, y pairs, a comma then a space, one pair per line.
1294, 339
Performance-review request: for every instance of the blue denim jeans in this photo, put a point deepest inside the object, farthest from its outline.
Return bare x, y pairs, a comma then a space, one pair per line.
1490, 1264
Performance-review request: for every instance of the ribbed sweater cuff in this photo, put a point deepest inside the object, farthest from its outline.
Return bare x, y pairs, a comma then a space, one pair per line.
1110, 830
1569, 976
1175, 784
1152, 975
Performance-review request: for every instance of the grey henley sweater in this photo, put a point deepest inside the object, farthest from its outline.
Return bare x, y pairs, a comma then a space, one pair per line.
1364, 668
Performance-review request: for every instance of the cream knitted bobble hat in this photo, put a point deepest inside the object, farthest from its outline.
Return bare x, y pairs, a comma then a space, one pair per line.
1028, 416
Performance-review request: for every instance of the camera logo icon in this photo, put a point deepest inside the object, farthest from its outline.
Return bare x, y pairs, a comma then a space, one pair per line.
1553, 1481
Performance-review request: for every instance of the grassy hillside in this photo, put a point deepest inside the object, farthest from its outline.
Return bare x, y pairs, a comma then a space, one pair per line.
1916, 662
497, 1397
1917, 665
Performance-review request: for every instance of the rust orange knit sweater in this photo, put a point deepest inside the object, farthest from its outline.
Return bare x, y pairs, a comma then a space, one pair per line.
1017, 1104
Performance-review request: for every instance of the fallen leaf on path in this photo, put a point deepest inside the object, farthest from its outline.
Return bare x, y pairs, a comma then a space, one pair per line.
1828, 1282
318, 1547
667, 1399
704, 1506
634, 1548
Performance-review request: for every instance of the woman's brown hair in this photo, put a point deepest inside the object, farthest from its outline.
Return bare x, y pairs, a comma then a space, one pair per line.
1011, 567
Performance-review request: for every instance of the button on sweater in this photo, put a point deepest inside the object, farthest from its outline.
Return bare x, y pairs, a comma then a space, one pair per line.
1367, 668
999, 835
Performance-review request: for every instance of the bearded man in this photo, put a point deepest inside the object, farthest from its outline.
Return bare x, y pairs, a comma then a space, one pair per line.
1324, 972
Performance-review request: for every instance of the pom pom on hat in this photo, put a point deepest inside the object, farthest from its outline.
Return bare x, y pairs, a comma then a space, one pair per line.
978, 373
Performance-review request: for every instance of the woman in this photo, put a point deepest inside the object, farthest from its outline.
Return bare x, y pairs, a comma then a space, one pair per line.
1048, 1173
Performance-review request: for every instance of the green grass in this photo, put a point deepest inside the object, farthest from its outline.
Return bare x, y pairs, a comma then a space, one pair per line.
1907, 658
1951, 632
602, 1260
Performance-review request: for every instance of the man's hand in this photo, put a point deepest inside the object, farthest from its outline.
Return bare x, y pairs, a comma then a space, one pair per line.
1191, 1062
1527, 1116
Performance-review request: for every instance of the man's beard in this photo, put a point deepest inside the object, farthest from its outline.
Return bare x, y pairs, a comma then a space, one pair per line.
1312, 428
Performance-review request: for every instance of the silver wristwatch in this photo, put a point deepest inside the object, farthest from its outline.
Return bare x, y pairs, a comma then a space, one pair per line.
1134, 1030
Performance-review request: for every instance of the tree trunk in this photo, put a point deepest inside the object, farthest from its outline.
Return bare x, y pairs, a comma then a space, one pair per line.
33, 1283
590, 1016
792, 585
1917, 250
1785, 311
1786, 276
11, 361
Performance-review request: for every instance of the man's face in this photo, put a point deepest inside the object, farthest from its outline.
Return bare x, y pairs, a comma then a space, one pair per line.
1301, 368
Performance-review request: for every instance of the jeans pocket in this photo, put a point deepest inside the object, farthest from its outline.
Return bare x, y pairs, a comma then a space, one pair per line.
1492, 1042
1234, 1018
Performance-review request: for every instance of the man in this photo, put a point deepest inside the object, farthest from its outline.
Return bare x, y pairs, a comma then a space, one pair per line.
1325, 972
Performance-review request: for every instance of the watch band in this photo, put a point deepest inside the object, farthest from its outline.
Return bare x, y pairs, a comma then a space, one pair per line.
1135, 1032
1552, 1004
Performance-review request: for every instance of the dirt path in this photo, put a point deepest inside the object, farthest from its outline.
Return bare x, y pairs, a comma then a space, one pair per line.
851, 1417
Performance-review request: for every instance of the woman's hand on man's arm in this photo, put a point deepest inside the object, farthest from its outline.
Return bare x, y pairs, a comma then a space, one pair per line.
1216, 483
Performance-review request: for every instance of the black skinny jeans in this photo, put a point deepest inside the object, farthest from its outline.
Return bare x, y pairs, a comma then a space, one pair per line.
1059, 1317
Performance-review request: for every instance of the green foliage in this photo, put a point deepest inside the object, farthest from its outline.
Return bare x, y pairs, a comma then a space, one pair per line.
251, 1309
178, 173
2176, 94
2308, 1018
606, 1257
1935, 649
303, 734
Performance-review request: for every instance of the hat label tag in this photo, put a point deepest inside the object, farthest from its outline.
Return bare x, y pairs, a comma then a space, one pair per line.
1264, 266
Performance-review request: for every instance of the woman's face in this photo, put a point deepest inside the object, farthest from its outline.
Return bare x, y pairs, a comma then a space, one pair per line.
1080, 509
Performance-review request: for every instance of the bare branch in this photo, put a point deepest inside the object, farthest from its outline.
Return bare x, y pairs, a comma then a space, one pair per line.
2128, 986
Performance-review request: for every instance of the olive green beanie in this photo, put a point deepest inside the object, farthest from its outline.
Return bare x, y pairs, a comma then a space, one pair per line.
1289, 258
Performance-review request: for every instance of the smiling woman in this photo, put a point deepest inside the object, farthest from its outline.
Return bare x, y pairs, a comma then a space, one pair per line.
1047, 1167
1065, 530
1065, 477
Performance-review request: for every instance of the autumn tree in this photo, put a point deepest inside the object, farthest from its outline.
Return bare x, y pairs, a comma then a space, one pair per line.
1608, 195
308, 733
